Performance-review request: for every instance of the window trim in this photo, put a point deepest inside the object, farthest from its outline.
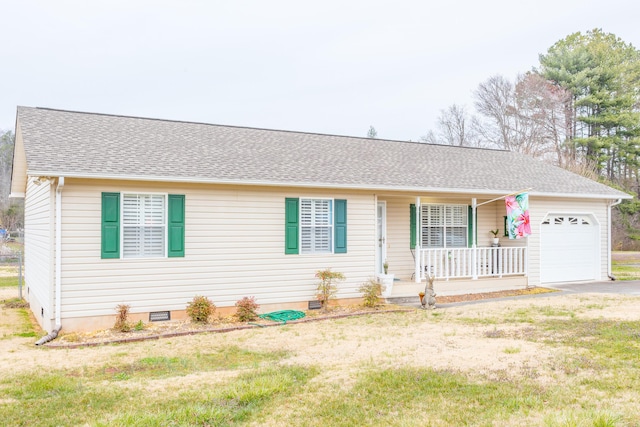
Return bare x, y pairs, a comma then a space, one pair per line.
165, 219
444, 226
331, 226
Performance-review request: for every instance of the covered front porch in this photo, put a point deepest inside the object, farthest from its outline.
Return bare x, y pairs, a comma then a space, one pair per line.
406, 291
470, 263
459, 240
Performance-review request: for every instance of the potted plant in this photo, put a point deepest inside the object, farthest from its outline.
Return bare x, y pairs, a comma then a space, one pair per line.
495, 232
386, 279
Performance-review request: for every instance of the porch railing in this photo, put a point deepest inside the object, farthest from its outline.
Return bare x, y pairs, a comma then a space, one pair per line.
471, 263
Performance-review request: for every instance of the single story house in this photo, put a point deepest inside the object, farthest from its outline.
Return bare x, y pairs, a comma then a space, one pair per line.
150, 213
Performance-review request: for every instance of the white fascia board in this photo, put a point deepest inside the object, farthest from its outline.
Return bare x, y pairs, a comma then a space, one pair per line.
16, 196
197, 180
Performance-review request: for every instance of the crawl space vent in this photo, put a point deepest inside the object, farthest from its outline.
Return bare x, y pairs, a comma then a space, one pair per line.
315, 305
159, 316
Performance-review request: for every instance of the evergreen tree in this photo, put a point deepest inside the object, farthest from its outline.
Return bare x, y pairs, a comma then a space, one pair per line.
602, 116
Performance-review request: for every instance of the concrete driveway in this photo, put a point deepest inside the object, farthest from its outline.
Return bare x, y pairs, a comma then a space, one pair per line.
627, 287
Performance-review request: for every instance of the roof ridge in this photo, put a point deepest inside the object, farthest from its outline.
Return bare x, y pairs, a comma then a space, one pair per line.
262, 129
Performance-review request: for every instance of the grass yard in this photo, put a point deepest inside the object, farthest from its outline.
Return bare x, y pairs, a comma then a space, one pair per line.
553, 361
625, 265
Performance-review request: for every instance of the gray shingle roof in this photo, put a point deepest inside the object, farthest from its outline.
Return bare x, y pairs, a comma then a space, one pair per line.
65, 143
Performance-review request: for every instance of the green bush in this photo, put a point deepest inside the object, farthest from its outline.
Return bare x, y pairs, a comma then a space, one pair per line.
140, 326
327, 287
370, 290
246, 309
200, 309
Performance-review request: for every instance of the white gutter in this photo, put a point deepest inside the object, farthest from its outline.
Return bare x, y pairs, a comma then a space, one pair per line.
609, 272
59, 250
377, 188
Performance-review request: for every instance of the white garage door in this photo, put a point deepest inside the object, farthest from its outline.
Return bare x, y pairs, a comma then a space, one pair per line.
569, 249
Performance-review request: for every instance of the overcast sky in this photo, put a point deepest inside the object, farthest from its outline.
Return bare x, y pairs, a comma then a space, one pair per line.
330, 67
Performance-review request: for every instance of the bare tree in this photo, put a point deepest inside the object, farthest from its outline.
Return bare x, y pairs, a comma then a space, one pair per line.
429, 138
6, 158
527, 116
542, 106
454, 127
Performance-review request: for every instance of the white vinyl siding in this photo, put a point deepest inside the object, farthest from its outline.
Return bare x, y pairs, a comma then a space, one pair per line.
143, 225
316, 226
444, 226
234, 241
39, 220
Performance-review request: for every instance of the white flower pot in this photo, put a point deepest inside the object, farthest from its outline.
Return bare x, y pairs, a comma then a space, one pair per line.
387, 282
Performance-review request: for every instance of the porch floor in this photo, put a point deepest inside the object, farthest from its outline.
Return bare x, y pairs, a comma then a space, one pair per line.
406, 289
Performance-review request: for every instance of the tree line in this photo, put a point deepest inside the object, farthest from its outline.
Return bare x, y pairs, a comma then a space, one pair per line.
579, 109
11, 210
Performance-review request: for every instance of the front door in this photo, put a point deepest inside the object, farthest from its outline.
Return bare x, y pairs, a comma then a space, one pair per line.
381, 235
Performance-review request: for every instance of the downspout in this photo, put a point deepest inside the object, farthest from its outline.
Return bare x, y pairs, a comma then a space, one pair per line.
609, 272
54, 333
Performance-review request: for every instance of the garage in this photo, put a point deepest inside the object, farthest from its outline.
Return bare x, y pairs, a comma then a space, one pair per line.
569, 248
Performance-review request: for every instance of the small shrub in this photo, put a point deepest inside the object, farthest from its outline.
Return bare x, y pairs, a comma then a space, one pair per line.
72, 337
122, 318
370, 290
246, 309
139, 326
200, 309
327, 287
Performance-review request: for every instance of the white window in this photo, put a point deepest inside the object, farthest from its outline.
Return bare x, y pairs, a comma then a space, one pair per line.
444, 226
143, 225
316, 226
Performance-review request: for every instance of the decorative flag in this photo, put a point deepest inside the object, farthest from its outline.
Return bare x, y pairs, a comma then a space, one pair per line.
518, 224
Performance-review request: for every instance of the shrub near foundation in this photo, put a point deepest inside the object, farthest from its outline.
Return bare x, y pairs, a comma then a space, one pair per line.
327, 287
200, 309
122, 318
370, 290
246, 309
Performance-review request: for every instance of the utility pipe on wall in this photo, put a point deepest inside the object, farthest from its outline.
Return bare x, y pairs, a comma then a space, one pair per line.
58, 263
59, 249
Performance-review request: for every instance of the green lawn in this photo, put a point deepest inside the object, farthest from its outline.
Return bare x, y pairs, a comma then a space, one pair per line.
592, 379
8, 281
626, 265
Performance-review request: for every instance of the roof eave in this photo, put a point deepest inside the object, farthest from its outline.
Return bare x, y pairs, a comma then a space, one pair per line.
197, 180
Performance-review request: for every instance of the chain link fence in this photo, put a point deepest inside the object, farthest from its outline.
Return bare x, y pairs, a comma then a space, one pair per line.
12, 267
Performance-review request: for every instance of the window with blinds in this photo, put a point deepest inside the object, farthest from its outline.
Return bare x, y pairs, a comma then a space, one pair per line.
143, 225
444, 226
316, 226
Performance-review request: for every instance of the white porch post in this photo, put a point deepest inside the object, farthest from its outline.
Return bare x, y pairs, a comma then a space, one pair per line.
418, 252
474, 250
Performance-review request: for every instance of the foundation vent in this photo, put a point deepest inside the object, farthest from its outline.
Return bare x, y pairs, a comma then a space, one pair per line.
159, 316
315, 305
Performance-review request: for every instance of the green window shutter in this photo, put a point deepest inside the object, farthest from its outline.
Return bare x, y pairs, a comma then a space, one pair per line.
110, 240
340, 227
470, 230
292, 226
412, 226
175, 225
